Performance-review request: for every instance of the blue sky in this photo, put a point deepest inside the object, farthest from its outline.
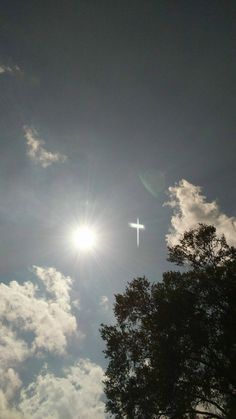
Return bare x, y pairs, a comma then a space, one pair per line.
107, 112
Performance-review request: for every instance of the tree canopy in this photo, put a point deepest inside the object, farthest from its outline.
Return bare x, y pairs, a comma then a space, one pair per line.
172, 350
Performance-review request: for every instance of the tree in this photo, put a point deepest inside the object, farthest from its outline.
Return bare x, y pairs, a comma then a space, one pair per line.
172, 350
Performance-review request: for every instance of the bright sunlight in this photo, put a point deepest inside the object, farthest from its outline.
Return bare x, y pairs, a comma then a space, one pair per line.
84, 238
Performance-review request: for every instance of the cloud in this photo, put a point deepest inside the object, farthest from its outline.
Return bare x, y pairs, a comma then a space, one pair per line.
11, 382
13, 349
37, 152
56, 284
76, 304
190, 208
104, 302
33, 321
7, 411
78, 394
13, 70
37, 320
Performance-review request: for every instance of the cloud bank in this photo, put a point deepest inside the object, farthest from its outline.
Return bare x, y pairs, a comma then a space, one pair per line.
37, 152
190, 208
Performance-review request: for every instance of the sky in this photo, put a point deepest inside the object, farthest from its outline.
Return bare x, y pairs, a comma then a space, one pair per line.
109, 112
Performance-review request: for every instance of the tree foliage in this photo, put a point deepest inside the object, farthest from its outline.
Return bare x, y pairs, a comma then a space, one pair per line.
172, 350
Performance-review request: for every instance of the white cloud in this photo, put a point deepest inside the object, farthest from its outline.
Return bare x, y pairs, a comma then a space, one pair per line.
37, 152
48, 317
11, 382
34, 321
45, 315
76, 303
56, 284
104, 302
190, 208
75, 395
13, 349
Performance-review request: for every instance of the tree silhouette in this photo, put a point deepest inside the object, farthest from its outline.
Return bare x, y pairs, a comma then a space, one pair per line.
172, 350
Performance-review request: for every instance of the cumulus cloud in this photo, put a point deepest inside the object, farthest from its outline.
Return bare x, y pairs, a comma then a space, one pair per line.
56, 284
13, 349
37, 320
190, 208
37, 152
33, 321
48, 318
78, 394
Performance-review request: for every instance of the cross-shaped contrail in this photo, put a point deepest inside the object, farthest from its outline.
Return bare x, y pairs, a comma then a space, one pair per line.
138, 227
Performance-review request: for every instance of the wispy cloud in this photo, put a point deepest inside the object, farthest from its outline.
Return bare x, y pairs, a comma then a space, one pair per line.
190, 208
104, 303
37, 152
13, 70
16, 71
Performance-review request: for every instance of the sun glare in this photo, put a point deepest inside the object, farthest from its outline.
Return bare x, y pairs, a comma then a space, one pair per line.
84, 238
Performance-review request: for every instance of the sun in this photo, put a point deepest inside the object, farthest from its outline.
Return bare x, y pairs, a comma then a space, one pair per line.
84, 238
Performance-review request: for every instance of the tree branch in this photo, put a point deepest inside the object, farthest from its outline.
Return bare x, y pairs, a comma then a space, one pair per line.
208, 414
201, 399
